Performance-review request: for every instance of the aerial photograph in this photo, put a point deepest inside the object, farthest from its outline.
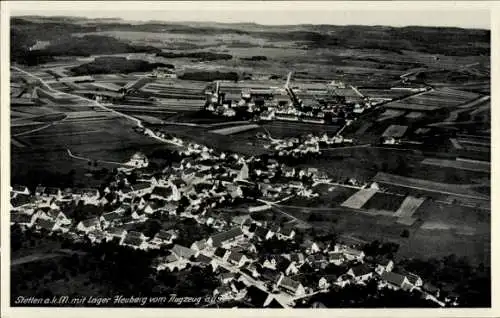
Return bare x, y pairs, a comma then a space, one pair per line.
249, 159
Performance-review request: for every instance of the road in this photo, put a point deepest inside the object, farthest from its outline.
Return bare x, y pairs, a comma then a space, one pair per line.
346, 147
33, 130
460, 195
137, 121
357, 92
475, 102
336, 184
94, 103
89, 159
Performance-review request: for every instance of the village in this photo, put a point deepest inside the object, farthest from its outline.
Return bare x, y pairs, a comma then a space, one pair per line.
198, 187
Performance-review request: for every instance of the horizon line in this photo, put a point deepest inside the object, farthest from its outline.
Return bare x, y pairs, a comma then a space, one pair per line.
167, 22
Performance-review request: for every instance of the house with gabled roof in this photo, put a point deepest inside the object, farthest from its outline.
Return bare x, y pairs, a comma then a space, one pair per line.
252, 270
223, 293
153, 206
136, 240
262, 233
343, 280
171, 208
118, 233
245, 246
336, 258
88, 225
226, 277
162, 193
239, 220
23, 219
139, 215
169, 262
239, 288
163, 237
88, 195
39, 190
225, 238
22, 201
317, 261
199, 245
222, 253
360, 273
126, 192
111, 219
141, 188
20, 189
431, 289
113, 197
395, 281
286, 266
351, 254
53, 192
238, 259
385, 265
325, 282
414, 279
205, 261
270, 261
177, 182
47, 225
298, 258
61, 218
269, 274
141, 203
286, 233
96, 236
182, 251
290, 286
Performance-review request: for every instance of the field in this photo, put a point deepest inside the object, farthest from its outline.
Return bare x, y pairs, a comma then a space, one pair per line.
414, 115
234, 129
408, 207
386, 94
426, 185
98, 136
422, 243
433, 100
458, 164
411, 107
359, 199
384, 202
396, 131
436, 229
389, 114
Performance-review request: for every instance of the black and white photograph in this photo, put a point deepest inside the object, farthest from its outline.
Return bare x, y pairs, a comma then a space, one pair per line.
247, 155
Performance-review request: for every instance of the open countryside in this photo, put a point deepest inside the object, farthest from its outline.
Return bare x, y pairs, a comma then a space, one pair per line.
258, 166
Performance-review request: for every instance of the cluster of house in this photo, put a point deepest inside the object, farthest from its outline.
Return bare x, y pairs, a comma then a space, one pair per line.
292, 145
240, 267
232, 253
309, 144
204, 179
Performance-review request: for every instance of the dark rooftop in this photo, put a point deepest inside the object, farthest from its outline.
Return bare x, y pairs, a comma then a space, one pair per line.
219, 238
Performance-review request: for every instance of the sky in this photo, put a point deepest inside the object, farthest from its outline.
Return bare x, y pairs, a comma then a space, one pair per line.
400, 13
